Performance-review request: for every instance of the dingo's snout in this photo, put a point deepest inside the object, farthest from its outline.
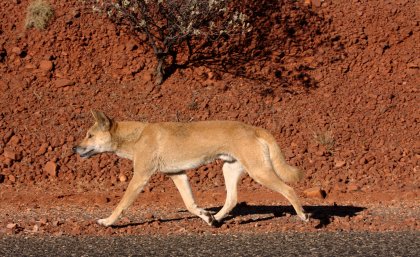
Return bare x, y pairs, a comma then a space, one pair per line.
84, 152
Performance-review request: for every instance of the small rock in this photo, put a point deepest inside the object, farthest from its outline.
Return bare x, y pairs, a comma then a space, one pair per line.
122, 178
99, 200
359, 217
363, 161
339, 188
320, 152
277, 99
316, 3
14, 140
211, 75
318, 76
51, 168
59, 233
12, 178
293, 145
6, 172
43, 221
131, 46
11, 225
8, 134
76, 13
113, 179
126, 71
125, 220
340, 163
46, 65
64, 83
8, 162
408, 195
77, 230
149, 216
10, 154
30, 66
413, 65
42, 149
35, 228
309, 60
70, 138
315, 192
16, 50
155, 224
352, 187
147, 76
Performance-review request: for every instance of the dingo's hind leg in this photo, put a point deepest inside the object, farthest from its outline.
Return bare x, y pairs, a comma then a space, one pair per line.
232, 171
266, 176
181, 182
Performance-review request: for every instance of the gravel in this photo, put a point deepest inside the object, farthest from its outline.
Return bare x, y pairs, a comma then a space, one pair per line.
287, 244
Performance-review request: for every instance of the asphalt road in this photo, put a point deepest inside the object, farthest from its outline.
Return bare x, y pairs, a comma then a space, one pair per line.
290, 244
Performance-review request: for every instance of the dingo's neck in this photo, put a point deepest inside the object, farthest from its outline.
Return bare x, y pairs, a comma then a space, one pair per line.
124, 137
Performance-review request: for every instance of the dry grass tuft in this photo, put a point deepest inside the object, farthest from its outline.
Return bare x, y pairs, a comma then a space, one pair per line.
326, 139
38, 14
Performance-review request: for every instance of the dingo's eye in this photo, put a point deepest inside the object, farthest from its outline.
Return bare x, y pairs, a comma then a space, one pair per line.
89, 136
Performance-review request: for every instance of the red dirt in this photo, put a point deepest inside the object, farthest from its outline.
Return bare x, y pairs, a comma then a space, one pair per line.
339, 91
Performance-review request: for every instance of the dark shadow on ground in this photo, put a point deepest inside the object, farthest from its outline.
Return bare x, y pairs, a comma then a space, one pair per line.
323, 213
118, 226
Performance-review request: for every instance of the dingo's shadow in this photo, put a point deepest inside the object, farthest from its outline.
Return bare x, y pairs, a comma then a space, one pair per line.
160, 220
323, 213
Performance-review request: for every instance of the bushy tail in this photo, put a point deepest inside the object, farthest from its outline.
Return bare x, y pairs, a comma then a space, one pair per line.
286, 172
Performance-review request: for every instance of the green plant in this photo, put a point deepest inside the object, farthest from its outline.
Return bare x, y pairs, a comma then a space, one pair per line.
38, 14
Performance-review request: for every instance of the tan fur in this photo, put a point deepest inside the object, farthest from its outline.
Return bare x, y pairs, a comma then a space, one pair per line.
172, 148
286, 172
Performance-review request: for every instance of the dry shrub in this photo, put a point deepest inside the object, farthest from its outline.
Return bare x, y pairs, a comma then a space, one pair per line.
326, 139
172, 26
38, 14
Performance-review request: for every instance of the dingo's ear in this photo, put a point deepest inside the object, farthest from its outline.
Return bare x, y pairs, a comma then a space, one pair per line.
103, 121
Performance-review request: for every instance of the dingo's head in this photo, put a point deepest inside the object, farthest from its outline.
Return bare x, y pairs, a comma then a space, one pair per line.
98, 138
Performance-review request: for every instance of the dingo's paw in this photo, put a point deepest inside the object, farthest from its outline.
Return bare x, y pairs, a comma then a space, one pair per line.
212, 221
305, 217
209, 218
104, 222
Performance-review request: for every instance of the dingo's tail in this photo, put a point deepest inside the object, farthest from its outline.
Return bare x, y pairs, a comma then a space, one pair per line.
286, 172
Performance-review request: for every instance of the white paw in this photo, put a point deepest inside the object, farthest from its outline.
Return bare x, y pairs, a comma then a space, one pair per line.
305, 217
104, 222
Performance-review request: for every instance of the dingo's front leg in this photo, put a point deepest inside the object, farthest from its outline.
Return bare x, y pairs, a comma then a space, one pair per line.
135, 186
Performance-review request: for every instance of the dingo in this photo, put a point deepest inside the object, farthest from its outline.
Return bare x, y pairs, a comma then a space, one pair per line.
173, 147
